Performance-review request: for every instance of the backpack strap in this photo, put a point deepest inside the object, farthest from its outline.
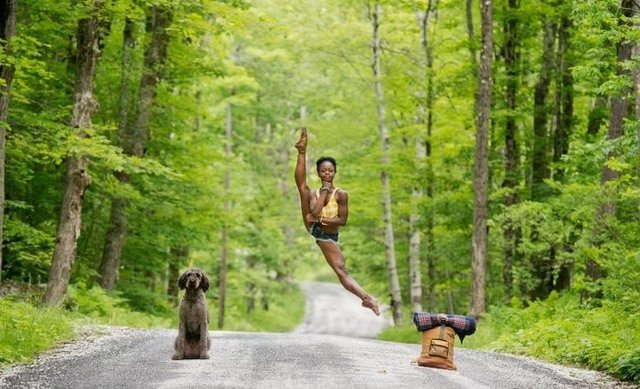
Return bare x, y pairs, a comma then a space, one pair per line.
442, 327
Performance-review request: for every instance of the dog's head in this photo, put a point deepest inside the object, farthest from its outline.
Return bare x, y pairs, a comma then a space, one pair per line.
194, 278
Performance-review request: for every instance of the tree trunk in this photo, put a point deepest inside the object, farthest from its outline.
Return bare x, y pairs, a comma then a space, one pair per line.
429, 235
114, 239
543, 268
481, 171
471, 33
540, 169
425, 119
636, 73
512, 154
597, 115
251, 284
564, 128
451, 304
222, 287
117, 230
264, 298
77, 177
178, 259
564, 96
124, 100
8, 12
619, 110
155, 57
619, 107
133, 139
394, 282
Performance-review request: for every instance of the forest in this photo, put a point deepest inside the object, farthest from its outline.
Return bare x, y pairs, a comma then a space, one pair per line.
490, 150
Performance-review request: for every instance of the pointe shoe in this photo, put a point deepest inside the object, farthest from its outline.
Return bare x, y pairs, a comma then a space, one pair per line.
369, 302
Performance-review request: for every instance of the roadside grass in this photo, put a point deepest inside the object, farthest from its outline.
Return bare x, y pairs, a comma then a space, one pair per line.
557, 330
405, 333
27, 327
95, 306
26, 330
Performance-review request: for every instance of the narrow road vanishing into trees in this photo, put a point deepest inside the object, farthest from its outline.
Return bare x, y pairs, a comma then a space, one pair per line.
333, 348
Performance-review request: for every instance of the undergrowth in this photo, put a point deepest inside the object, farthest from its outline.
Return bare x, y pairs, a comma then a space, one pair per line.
26, 330
281, 312
97, 306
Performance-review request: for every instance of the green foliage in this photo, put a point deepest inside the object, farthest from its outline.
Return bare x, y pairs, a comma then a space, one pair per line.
26, 330
406, 333
561, 330
144, 300
27, 251
104, 308
285, 311
628, 365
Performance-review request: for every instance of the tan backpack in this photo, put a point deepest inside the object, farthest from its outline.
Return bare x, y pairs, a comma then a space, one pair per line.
437, 348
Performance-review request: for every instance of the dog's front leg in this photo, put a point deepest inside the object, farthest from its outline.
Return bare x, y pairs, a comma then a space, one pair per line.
207, 332
179, 343
204, 342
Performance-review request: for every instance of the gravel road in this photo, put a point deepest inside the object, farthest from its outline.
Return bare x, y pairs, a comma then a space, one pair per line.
332, 348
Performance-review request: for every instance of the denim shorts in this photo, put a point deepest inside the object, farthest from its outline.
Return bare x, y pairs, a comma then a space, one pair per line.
317, 232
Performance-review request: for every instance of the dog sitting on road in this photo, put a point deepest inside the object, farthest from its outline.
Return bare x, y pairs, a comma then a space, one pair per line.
193, 340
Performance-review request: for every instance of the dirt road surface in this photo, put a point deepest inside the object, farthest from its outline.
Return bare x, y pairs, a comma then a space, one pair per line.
332, 348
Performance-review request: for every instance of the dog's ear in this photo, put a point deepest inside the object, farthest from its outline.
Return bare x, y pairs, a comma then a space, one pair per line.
182, 281
204, 283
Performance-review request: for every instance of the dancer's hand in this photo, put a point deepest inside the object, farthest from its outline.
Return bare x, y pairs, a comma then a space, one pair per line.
370, 302
301, 144
311, 218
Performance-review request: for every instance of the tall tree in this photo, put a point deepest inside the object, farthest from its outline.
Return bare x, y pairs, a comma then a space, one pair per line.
390, 251
224, 254
8, 12
134, 139
619, 111
511, 154
179, 256
114, 239
636, 73
619, 105
540, 168
471, 33
77, 176
564, 119
481, 169
543, 267
564, 90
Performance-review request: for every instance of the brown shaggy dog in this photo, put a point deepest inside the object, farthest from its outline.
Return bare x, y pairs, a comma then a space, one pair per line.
193, 340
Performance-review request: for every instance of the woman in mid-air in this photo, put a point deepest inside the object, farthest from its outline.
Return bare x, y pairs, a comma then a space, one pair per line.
324, 210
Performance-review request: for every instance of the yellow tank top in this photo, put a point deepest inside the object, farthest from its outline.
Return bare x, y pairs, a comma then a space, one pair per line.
331, 209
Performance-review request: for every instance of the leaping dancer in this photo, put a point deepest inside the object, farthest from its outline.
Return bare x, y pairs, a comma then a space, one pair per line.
324, 211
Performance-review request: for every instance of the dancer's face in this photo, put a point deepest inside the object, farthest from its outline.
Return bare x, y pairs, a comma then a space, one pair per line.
326, 171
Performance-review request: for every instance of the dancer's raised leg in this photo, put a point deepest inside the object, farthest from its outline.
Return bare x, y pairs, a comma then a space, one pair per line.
335, 259
301, 177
